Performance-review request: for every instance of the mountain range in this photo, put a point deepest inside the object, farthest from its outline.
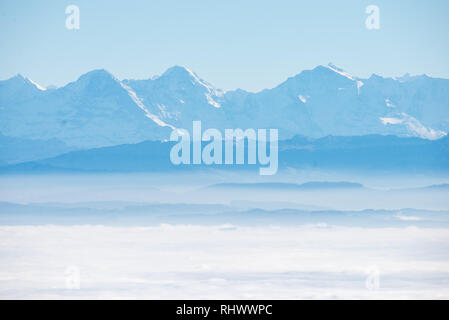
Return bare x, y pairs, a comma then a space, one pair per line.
99, 110
312, 185
228, 216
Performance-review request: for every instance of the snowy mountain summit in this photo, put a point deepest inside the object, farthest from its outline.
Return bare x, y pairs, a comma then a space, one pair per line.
100, 110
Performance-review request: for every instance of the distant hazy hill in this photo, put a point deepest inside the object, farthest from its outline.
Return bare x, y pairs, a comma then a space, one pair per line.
289, 186
212, 214
13, 150
372, 153
436, 187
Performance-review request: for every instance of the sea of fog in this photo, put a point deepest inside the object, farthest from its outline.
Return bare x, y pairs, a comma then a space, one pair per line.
223, 262
204, 236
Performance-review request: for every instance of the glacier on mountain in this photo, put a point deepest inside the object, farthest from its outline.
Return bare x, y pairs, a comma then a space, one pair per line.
100, 110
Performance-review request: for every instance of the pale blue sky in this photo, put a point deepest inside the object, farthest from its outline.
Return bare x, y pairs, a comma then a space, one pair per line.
232, 44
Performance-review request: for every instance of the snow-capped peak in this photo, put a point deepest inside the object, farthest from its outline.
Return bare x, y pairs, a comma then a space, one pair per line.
98, 74
138, 101
20, 79
340, 71
407, 77
414, 126
343, 73
184, 73
180, 72
37, 85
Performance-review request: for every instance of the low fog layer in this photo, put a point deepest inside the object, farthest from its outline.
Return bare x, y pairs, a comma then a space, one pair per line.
192, 262
224, 235
393, 192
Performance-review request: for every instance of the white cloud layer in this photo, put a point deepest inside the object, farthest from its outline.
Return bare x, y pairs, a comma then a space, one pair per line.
223, 262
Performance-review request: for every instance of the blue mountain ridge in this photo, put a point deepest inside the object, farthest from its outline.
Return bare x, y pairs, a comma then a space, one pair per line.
373, 152
201, 214
312, 185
